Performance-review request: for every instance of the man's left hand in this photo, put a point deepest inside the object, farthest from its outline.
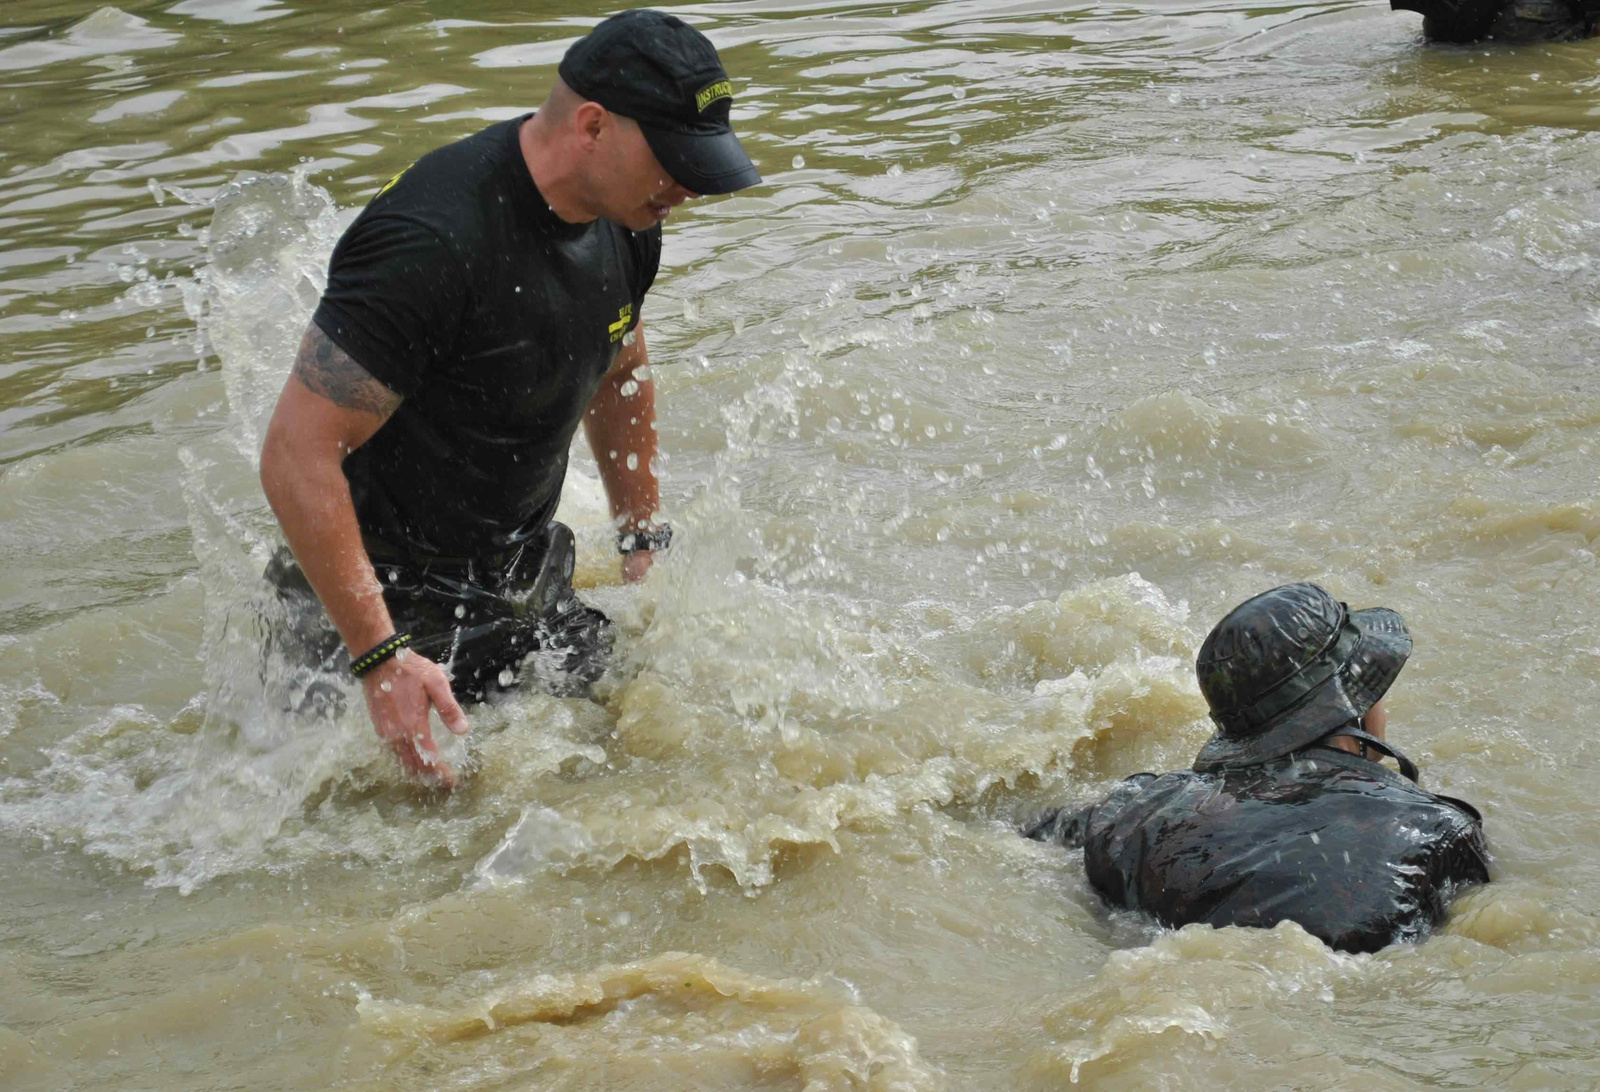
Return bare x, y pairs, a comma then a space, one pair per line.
636, 566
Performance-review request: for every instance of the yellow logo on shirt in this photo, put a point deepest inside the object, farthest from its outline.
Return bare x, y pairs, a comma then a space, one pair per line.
387, 186
624, 323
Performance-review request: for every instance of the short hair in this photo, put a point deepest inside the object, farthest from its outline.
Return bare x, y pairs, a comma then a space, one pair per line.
561, 102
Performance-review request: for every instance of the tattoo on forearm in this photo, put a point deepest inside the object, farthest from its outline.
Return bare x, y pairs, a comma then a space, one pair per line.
328, 370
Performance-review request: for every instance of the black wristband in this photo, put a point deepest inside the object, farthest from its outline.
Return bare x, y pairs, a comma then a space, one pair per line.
633, 542
385, 649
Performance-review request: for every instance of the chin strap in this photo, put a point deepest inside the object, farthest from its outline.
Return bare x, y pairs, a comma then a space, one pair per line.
1370, 742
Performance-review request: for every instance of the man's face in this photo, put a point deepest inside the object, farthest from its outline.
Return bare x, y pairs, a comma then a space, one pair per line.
1376, 721
638, 192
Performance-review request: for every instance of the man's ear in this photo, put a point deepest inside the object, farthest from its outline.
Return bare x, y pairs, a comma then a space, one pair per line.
590, 121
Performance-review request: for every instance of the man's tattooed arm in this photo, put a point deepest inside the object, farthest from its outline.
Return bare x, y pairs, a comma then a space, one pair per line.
328, 370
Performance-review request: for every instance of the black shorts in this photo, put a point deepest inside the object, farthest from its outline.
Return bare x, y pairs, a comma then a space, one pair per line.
490, 628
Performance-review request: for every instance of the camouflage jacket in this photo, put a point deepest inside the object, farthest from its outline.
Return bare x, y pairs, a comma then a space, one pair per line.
1353, 852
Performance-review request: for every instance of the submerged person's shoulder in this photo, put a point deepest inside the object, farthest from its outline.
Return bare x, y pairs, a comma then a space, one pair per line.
1353, 852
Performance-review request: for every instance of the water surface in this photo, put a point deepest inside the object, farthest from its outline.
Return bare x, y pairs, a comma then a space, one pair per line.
1053, 332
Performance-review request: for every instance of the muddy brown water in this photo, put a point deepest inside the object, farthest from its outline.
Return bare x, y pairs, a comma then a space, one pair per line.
1055, 330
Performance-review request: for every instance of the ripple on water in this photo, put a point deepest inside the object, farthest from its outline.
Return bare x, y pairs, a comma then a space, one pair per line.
665, 1018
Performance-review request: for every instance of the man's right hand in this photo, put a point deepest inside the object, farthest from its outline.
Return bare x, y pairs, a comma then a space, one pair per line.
400, 692
329, 407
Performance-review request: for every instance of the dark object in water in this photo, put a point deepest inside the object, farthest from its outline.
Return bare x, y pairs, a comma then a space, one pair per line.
487, 628
1356, 854
1453, 20
1462, 21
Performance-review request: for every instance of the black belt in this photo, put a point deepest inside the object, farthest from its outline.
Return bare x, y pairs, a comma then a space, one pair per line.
500, 562
527, 582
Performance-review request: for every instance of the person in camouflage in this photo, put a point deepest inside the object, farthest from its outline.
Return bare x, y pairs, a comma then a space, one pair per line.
1288, 813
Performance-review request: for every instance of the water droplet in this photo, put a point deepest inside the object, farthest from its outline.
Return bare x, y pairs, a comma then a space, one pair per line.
955, 138
959, 92
394, 575
930, 432
507, 676
461, 610
886, 422
834, 424
633, 460
400, 654
798, 162
386, 686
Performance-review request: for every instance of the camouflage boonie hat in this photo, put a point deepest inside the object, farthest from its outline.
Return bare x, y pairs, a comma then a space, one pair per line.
1284, 669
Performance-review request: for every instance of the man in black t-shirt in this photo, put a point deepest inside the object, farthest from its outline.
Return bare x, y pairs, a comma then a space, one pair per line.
485, 302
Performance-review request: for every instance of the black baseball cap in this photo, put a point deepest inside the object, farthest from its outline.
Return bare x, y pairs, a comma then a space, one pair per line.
666, 76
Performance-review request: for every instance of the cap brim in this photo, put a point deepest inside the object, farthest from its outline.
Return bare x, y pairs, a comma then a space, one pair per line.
703, 163
1357, 686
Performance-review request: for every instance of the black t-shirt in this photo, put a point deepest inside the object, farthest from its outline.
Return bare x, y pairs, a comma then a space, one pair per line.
1356, 854
459, 289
